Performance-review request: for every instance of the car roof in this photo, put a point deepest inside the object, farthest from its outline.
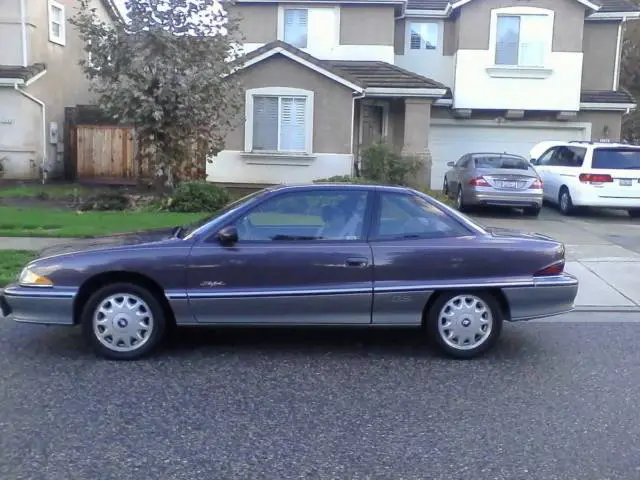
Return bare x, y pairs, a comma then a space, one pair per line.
501, 154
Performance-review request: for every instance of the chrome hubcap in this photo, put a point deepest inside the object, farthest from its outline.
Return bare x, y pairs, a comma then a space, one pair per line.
123, 322
465, 322
564, 201
459, 199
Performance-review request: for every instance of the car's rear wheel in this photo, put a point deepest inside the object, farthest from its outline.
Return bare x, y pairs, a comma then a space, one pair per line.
464, 324
532, 211
460, 205
123, 321
565, 202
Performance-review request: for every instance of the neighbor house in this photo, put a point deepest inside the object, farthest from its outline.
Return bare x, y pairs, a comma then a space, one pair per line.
39, 77
435, 78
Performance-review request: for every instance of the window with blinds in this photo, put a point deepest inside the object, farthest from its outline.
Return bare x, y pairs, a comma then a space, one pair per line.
423, 35
296, 21
279, 123
521, 40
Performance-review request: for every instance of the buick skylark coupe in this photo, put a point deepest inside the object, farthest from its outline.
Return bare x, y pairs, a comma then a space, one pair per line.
310, 255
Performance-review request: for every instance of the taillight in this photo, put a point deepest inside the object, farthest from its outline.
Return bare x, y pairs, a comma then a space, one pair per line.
554, 269
595, 178
478, 182
537, 184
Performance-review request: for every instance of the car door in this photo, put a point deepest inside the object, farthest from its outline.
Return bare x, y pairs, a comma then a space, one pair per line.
301, 258
543, 166
457, 172
416, 247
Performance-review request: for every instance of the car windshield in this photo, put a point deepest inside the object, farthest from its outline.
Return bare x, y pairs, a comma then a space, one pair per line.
501, 162
616, 158
192, 227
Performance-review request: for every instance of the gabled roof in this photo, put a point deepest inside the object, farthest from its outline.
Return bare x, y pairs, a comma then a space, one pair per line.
361, 76
600, 6
20, 73
606, 96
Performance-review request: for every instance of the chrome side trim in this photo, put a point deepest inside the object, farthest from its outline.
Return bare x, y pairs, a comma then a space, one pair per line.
24, 293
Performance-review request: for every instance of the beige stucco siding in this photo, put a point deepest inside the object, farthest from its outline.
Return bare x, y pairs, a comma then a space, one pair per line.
599, 44
475, 21
258, 23
332, 110
10, 33
599, 120
364, 25
450, 36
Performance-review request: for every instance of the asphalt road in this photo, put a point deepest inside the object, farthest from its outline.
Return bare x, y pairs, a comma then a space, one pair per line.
553, 401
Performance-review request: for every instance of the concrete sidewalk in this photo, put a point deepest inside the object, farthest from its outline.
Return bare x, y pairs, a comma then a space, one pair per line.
609, 275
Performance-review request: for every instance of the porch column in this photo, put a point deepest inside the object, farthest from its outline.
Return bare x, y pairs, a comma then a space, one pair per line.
417, 118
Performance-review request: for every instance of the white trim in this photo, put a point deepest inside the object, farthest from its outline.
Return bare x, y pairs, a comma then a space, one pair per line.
616, 65
35, 78
366, 2
612, 15
413, 13
304, 62
607, 106
10, 82
522, 11
586, 3
444, 102
278, 91
23, 33
62, 39
337, 15
405, 92
515, 71
512, 124
45, 144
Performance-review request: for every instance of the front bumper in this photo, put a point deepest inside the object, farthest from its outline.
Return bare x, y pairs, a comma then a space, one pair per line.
491, 197
52, 306
547, 296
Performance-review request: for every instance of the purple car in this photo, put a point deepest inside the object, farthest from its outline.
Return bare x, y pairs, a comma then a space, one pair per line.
322, 254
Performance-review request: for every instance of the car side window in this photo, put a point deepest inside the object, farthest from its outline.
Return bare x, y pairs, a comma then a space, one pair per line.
407, 216
577, 156
306, 216
462, 161
546, 157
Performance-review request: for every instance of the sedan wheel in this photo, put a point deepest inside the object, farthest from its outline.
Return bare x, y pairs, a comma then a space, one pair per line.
460, 201
123, 322
464, 325
445, 187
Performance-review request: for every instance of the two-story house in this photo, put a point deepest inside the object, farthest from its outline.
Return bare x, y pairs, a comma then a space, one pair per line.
435, 78
39, 77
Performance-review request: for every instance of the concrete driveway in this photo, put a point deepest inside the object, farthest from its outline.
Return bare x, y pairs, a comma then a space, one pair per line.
603, 251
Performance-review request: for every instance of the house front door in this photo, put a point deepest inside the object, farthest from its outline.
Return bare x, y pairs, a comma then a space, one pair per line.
372, 124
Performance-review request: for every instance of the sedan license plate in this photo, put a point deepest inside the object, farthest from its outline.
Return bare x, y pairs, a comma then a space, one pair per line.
626, 182
509, 184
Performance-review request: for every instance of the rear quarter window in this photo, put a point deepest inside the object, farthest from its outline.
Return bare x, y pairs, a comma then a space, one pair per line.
616, 158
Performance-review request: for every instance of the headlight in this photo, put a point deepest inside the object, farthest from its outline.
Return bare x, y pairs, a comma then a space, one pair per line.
30, 278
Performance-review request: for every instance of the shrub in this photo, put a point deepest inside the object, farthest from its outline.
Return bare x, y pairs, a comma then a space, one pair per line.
382, 164
344, 179
198, 196
104, 201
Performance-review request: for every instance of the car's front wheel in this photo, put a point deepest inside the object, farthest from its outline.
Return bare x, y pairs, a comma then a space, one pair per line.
123, 321
464, 324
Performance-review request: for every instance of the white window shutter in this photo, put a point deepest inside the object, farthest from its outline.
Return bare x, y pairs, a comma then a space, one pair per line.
265, 123
293, 124
296, 21
507, 40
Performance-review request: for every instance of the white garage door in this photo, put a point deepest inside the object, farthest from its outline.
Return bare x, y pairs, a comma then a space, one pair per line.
449, 142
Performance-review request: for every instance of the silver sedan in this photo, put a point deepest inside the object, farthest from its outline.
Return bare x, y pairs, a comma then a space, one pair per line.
494, 179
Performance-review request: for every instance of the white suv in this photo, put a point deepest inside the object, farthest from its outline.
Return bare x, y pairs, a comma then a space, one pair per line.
590, 174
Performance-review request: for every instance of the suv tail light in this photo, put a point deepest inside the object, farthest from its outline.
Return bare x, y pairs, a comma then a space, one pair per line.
595, 178
479, 182
554, 269
537, 184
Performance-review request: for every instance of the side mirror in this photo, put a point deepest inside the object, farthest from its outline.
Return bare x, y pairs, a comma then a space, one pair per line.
228, 235
450, 164
533, 161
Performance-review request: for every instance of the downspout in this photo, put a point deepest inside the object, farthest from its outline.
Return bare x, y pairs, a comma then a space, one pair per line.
44, 128
353, 124
23, 29
616, 71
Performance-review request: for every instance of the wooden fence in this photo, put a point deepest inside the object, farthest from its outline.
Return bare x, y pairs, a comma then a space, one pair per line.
97, 150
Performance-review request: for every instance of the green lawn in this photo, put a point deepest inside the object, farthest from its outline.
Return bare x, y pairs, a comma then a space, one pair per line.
43, 191
11, 262
39, 222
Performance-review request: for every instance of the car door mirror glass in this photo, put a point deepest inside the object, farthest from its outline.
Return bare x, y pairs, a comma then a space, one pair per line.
228, 235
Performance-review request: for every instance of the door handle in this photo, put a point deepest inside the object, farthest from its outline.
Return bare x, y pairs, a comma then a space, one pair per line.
357, 262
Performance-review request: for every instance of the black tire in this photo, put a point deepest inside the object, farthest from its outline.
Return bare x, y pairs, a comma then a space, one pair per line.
634, 212
460, 205
432, 321
532, 211
565, 202
445, 187
158, 319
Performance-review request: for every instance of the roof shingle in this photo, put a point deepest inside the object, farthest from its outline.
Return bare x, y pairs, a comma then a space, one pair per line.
606, 5
606, 96
21, 73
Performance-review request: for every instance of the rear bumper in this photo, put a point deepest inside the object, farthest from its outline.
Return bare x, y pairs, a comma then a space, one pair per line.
491, 197
34, 305
594, 197
547, 296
